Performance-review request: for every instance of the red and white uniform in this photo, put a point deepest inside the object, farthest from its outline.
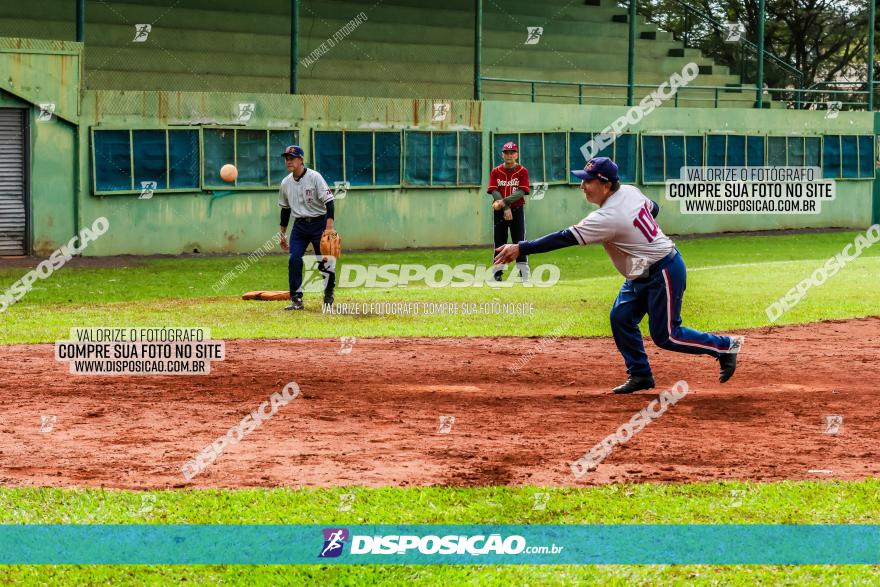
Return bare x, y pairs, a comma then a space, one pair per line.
506, 180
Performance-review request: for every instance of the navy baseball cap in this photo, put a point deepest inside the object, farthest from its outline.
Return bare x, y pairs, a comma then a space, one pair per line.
601, 168
294, 151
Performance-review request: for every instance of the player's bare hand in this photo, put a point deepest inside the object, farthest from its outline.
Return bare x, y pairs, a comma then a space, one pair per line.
497, 205
283, 242
506, 253
508, 215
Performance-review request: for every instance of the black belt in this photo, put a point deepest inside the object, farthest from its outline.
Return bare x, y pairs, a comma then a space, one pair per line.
308, 218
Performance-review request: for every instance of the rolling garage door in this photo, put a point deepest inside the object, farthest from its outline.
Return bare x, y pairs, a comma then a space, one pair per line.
13, 220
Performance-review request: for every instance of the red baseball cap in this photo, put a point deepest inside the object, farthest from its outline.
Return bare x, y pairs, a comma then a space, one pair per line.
511, 146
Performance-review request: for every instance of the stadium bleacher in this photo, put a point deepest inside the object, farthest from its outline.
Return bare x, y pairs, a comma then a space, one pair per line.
402, 50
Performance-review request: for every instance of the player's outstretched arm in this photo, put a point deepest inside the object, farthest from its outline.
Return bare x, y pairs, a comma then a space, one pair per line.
550, 242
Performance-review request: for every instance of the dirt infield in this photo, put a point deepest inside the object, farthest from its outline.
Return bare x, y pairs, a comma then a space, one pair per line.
371, 417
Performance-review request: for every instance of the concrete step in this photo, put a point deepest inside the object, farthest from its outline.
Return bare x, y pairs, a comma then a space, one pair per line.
573, 19
347, 60
271, 18
111, 79
427, 74
114, 79
425, 39
432, 38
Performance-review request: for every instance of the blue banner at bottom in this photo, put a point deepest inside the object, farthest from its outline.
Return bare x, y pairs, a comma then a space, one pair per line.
440, 544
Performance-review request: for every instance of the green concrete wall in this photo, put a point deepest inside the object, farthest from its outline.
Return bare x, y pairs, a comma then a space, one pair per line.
53, 169
415, 217
51, 175
851, 208
34, 71
42, 71
388, 218
368, 218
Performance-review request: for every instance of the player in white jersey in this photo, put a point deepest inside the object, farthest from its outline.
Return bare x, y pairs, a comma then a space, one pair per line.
305, 194
655, 273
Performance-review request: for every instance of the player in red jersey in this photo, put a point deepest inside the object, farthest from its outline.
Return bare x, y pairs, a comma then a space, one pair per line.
508, 183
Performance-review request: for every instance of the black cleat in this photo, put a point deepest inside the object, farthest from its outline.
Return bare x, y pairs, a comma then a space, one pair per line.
295, 304
635, 383
727, 361
328, 299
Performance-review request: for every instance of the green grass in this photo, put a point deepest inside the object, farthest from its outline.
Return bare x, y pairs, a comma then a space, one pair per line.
731, 281
806, 502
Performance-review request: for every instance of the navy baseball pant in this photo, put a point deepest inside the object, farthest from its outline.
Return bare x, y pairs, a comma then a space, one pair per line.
659, 295
307, 231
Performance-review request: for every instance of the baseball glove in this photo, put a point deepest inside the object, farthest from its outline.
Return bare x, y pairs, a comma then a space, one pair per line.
331, 244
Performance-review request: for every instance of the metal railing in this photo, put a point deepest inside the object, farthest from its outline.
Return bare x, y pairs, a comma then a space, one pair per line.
856, 85
799, 98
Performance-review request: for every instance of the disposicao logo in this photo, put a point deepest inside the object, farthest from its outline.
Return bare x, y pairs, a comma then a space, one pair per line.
334, 541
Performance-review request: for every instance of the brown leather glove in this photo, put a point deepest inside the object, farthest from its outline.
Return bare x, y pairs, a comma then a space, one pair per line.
331, 244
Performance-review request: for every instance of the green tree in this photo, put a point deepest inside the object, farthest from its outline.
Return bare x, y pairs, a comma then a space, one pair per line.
825, 39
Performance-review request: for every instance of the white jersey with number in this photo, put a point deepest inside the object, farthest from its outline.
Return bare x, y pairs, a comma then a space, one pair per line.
625, 227
307, 196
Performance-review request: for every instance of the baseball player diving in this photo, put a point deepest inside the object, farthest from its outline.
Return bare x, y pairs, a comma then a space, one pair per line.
655, 274
305, 194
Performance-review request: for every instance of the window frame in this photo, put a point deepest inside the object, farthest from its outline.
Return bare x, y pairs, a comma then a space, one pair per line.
767, 148
234, 186
640, 150
518, 141
794, 136
430, 184
839, 176
746, 138
374, 186
635, 135
134, 190
764, 150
